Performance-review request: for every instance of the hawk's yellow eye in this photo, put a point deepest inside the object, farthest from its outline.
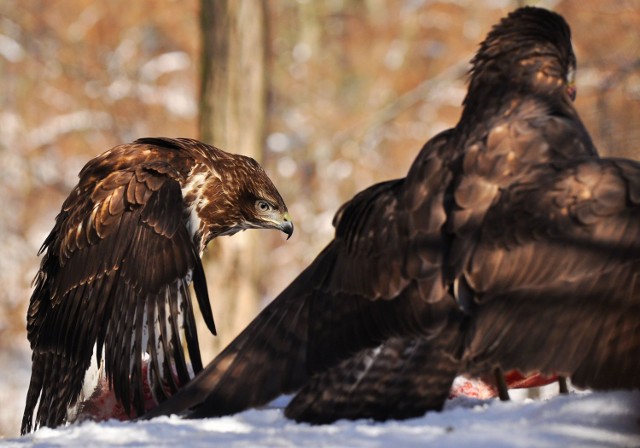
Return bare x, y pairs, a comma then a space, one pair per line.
263, 206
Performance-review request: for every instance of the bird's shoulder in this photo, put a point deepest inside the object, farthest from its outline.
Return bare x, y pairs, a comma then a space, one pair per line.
366, 210
403, 206
571, 197
115, 184
525, 132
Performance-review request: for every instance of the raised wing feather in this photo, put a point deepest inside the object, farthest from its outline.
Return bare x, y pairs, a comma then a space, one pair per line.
91, 291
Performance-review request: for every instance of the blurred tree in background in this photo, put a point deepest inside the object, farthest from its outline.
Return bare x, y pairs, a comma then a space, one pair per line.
233, 107
329, 95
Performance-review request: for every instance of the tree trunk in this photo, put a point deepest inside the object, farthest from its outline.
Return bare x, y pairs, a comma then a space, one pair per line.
232, 117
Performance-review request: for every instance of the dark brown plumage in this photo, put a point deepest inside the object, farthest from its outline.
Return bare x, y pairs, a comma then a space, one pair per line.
509, 244
402, 378
115, 275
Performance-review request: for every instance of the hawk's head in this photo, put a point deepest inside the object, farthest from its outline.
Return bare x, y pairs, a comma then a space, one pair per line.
528, 52
259, 202
236, 194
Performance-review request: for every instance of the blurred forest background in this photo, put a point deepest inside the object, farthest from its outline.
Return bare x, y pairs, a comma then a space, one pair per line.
331, 96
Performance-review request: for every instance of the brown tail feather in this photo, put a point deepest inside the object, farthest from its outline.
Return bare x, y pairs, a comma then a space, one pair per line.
402, 378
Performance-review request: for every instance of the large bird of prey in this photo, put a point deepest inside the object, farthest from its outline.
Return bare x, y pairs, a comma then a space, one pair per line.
114, 280
509, 244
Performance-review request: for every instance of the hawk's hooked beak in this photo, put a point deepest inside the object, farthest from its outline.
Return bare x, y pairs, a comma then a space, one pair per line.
570, 84
572, 90
287, 225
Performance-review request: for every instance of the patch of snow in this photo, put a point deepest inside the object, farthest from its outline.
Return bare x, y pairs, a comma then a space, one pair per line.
302, 52
11, 128
286, 166
278, 142
602, 419
396, 55
165, 63
10, 49
51, 130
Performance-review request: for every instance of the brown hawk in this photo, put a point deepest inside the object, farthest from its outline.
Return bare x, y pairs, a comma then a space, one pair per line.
114, 279
509, 244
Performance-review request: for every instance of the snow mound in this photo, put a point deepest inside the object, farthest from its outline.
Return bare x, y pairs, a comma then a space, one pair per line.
602, 419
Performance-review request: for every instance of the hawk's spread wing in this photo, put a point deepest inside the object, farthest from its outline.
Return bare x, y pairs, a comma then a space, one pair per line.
118, 256
554, 281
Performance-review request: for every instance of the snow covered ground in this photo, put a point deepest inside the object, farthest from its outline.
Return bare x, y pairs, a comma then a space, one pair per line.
577, 420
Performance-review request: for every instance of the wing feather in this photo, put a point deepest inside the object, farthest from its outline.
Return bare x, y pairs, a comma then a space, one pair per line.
91, 292
280, 333
400, 379
134, 358
189, 328
182, 371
